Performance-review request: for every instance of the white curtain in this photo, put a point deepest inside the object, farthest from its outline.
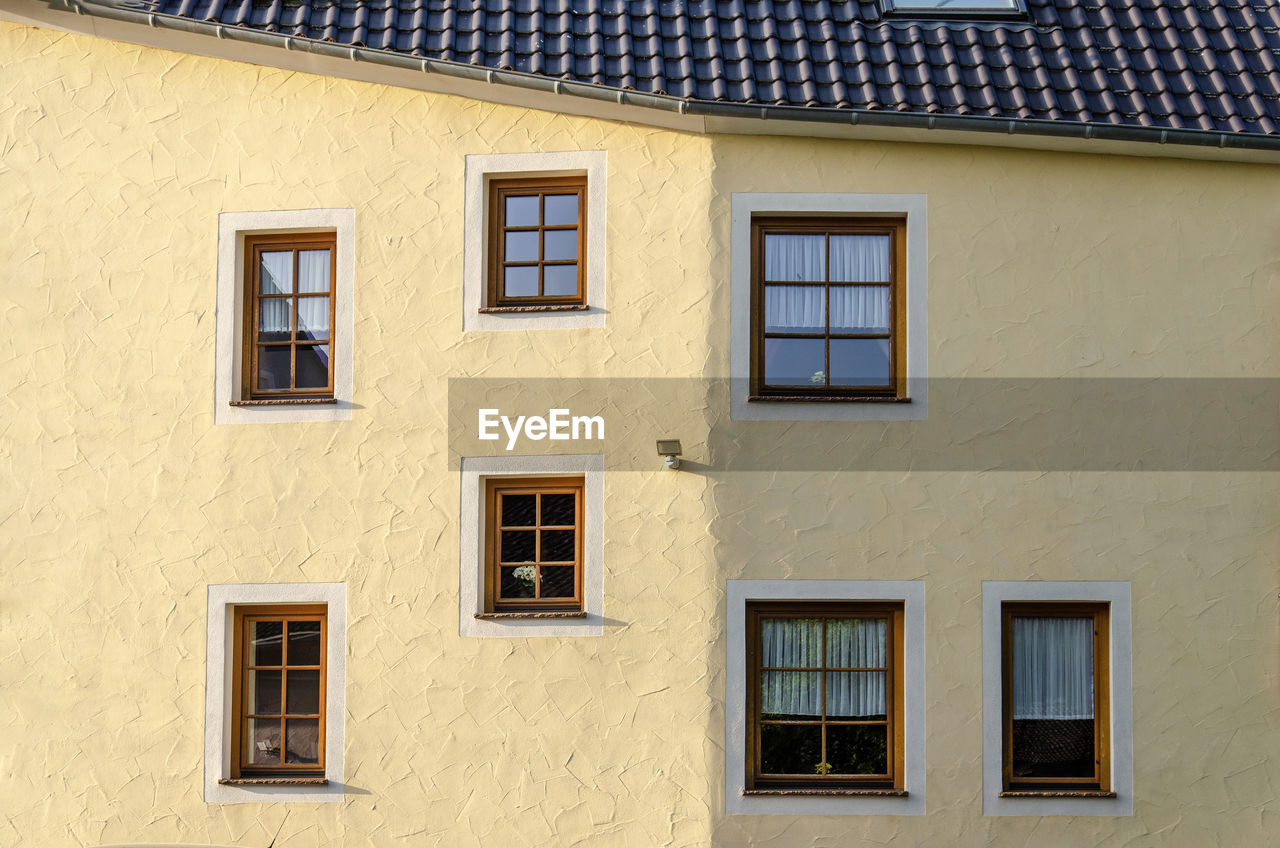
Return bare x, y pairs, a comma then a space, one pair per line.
274, 315
860, 309
277, 272
1053, 668
313, 271
795, 309
795, 258
854, 309
859, 259
313, 315
851, 643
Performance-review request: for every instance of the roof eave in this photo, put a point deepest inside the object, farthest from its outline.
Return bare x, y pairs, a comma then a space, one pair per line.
762, 112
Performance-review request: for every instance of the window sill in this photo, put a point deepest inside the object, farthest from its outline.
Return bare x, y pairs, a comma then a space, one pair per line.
274, 781
541, 307
841, 793
826, 399
1057, 793
284, 402
502, 616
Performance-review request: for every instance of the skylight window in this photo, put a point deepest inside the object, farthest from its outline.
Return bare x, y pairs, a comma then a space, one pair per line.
954, 8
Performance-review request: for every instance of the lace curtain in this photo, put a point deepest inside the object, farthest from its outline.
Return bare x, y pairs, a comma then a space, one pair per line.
1053, 668
797, 643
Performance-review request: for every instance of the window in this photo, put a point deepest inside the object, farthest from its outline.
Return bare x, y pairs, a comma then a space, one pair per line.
537, 243
238, 396
955, 8
534, 545
480, 551
289, 317
1056, 696
279, 692
824, 698
827, 312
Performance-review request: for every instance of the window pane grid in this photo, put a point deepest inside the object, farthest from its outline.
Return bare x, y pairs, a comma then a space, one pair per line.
555, 274
537, 558
300, 363
824, 721
826, 317
289, 737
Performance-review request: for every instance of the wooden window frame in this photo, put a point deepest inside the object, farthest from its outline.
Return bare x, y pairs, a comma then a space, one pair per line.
893, 611
499, 190
1100, 612
254, 246
495, 488
896, 229
244, 617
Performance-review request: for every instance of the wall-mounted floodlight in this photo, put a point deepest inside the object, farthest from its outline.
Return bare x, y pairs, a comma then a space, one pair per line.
669, 450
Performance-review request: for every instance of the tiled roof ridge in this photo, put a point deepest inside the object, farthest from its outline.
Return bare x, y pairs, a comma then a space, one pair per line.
1177, 68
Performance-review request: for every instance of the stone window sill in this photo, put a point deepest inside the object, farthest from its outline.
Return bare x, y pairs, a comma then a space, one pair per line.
504, 616
801, 398
541, 307
274, 781
284, 402
842, 793
1057, 793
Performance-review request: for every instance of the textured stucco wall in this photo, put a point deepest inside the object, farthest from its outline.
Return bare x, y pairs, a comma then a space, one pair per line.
126, 502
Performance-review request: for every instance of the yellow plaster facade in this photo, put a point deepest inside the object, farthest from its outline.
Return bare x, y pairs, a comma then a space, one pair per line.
126, 502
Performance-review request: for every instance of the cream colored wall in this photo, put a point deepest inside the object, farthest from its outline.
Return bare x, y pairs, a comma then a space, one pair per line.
114, 164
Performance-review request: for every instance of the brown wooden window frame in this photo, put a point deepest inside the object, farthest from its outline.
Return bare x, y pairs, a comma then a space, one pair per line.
892, 782
896, 229
254, 245
244, 617
495, 489
1100, 781
498, 191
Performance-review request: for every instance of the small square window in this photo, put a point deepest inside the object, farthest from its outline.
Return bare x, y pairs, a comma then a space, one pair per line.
828, 312
534, 544
537, 243
1056, 697
279, 693
289, 333
824, 698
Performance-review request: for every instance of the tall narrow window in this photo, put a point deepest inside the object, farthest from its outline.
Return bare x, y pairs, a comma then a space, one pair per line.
1056, 696
537, 242
279, 690
289, 316
824, 700
533, 546
827, 311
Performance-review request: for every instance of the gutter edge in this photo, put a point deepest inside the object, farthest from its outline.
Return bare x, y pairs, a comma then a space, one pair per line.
678, 105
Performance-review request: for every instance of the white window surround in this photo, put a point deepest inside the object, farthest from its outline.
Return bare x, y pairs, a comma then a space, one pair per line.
995, 593
479, 169
229, 348
911, 593
219, 711
912, 206
475, 471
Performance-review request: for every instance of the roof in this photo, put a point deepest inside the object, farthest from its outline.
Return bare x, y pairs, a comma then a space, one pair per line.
1209, 66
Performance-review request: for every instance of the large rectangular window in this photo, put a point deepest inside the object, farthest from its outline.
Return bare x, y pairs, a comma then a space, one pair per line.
533, 548
279, 692
537, 242
824, 696
1056, 696
289, 316
827, 313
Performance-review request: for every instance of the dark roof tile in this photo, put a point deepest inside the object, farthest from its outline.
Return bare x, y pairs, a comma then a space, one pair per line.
1200, 64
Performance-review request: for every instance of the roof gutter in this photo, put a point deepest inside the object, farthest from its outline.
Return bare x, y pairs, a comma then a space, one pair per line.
682, 106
